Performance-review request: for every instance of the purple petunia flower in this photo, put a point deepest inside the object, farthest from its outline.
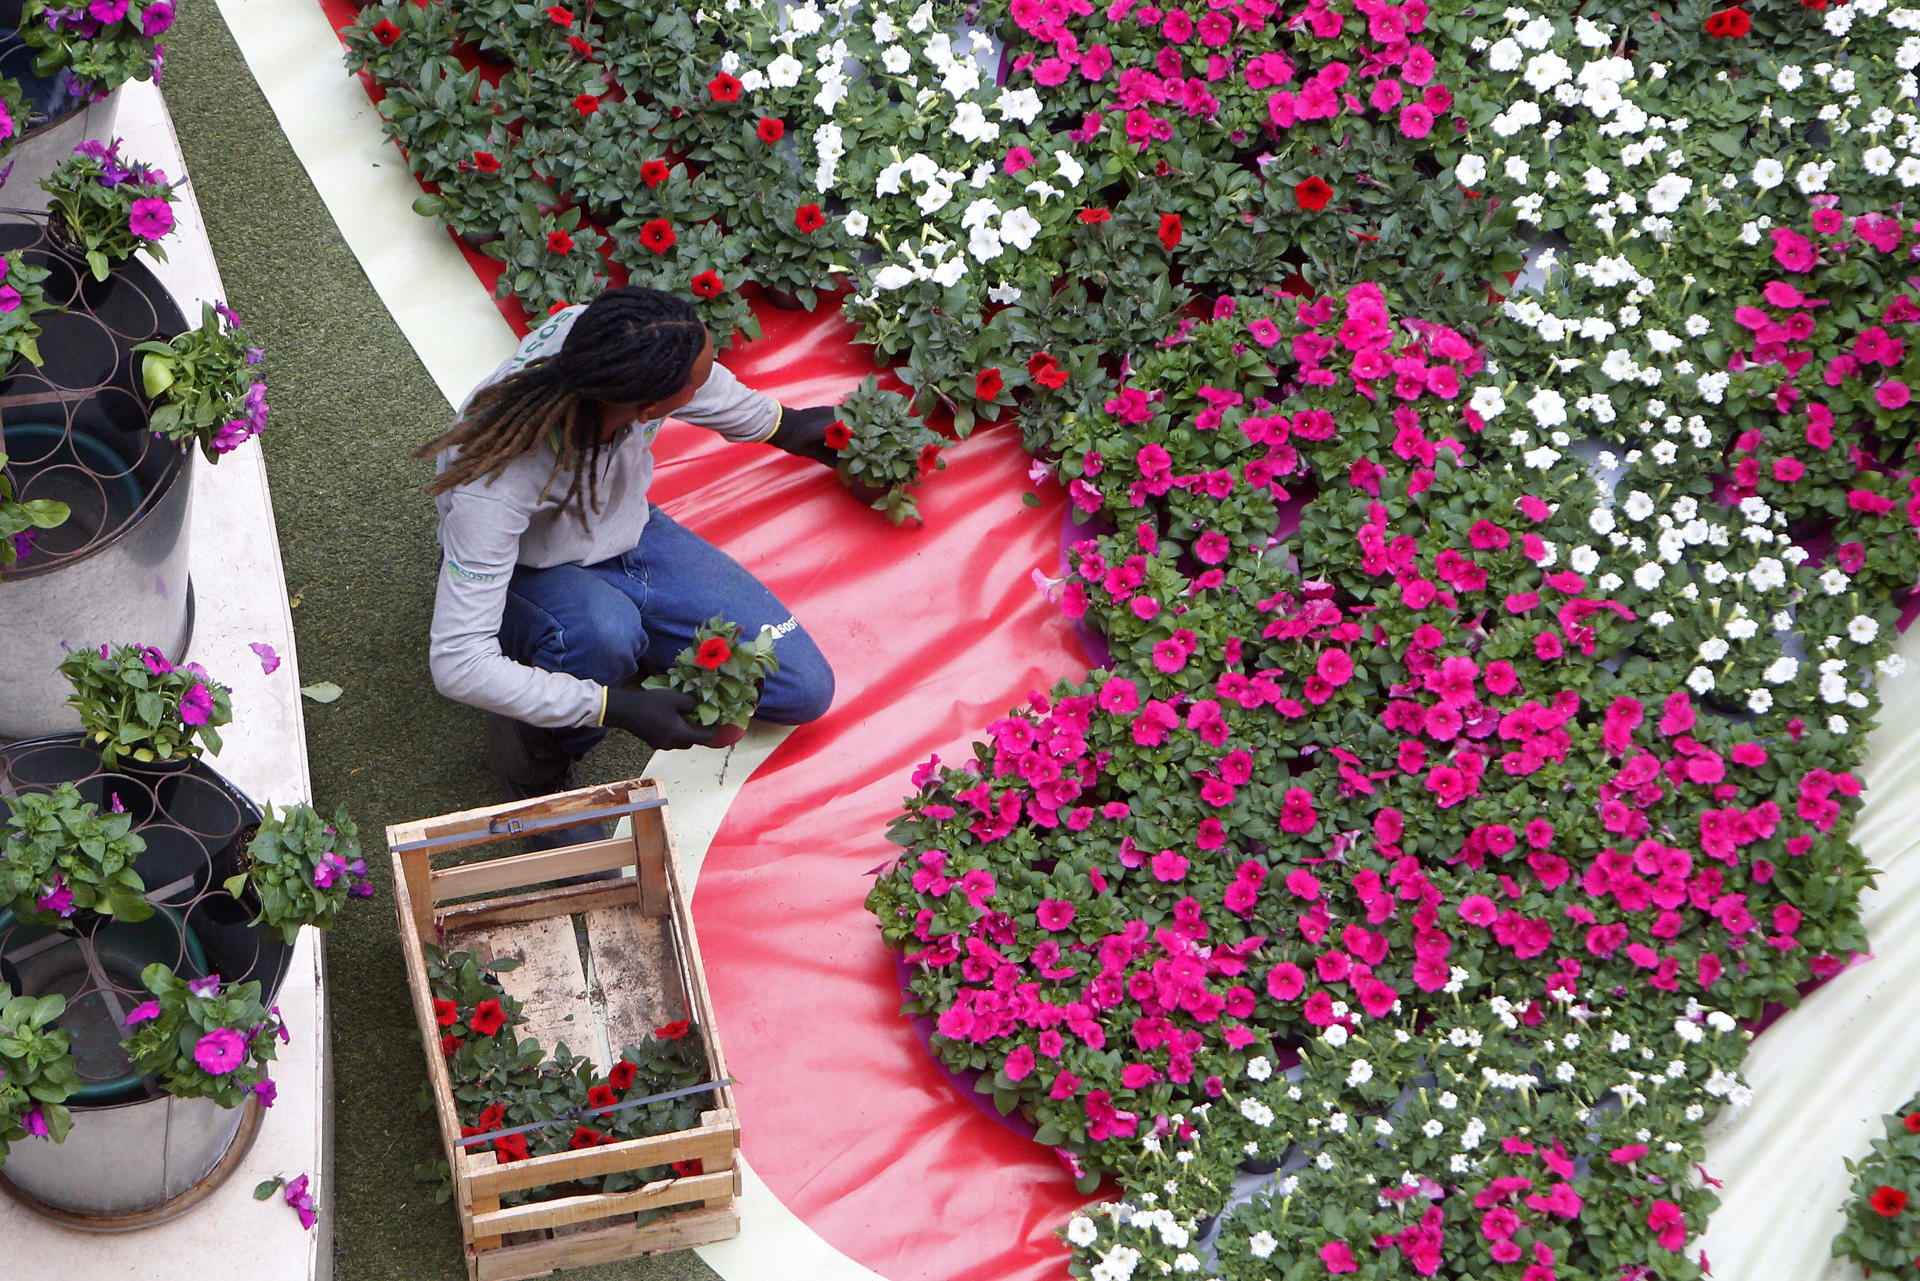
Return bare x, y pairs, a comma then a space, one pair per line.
227, 314
208, 986
269, 660
266, 1092
156, 661
107, 10
58, 900
220, 1051
9, 298
156, 18
141, 1013
150, 218
331, 866
301, 1200
196, 705
35, 1123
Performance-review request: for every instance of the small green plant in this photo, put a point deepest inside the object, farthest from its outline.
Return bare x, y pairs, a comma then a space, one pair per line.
721, 672
303, 869
37, 1074
551, 259
1883, 1230
101, 51
135, 705
203, 384
18, 520
203, 1039
884, 448
108, 207
62, 855
22, 299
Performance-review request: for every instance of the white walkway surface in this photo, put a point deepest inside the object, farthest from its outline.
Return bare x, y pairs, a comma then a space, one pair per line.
241, 598
1822, 1075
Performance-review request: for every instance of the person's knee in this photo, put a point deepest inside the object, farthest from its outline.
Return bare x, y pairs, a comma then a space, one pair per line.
802, 690
599, 640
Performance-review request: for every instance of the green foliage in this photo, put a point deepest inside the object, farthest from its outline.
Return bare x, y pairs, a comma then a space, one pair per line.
302, 869
108, 207
113, 53
202, 1038
887, 449
62, 855
721, 672
18, 517
203, 384
135, 705
37, 1074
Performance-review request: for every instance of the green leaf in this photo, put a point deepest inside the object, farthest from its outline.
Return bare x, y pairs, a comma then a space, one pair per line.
322, 691
1030, 499
264, 1191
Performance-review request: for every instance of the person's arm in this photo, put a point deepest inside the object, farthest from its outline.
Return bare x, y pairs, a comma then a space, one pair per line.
480, 540
745, 416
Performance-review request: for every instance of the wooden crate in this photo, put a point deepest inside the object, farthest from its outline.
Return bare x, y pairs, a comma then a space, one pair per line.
647, 972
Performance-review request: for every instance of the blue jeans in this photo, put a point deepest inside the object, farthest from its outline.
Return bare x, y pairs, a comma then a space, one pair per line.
635, 612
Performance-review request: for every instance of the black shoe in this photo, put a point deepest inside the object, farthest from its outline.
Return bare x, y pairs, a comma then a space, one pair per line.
529, 762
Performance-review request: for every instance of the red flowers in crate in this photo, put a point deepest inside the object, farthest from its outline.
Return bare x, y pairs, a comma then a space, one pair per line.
685, 1168
654, 172
1097, 214
1729, 24
809, 218
385, 32
620, 1075
450, 1044
1312, 194
601, 1096
987, 384
1046, 371
658, 235
708, 284
586, 1138
487, 1018
724, 88
1170, 231
586, 104
561, 15
559, 242
486, 162
445, 1013
1887, 1201
713, 652
1912, 1121
839, 435
580, 46
678, 1028
770, 129
511, 1147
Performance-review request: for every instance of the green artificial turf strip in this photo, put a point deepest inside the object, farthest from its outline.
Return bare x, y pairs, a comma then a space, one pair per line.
350, 403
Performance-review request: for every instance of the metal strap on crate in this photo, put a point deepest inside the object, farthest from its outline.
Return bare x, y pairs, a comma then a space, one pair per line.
573, 1116
509, 826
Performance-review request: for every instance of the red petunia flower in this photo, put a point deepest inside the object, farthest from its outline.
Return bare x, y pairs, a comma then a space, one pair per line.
1312, 194
559, 242
385, 32
1912, 1121
708, 284
809, 218
724, 88
1887, 1201
694, 1166
654, 172
714, 651
446, 1013
561, 15
511, 1147
620, 1075
1096, 214
839, 435
585, 1138
676, 1029
580, 46
486, 162
1729, 24
492, 1117
1045, 370
770, 129
601, 1096
929, 458
450, 1045
1170, 231
586, 104
987, 384
488, 1018
658, 235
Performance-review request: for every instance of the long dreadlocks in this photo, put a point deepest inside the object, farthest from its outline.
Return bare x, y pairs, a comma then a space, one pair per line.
632, 346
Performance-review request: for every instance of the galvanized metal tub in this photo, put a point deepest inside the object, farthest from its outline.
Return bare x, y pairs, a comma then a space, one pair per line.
127, 1166
76, 431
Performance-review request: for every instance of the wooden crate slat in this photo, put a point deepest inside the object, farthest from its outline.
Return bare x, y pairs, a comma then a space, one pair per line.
582, 1209
607, 1245
694, 971
535, 904
516, 871
713, 1145
634, 963
549, 982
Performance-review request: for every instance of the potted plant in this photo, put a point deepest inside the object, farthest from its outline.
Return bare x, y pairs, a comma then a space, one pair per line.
204, 384
100, 54
885, 451
202, 1038
550, 259
302, 869
723, 674
63, 856
109, 208
135, 706
36, 1070
19, 520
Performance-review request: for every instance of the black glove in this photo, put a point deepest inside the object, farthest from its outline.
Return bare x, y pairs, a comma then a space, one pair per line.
657, 717
803, 433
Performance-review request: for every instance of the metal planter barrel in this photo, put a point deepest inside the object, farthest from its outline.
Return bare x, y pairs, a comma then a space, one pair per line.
76, 430
136, 1156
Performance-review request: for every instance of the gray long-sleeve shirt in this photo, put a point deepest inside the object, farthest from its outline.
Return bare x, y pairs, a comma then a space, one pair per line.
487, 528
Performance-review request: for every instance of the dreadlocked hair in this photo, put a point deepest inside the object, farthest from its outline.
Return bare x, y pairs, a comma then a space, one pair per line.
631, 346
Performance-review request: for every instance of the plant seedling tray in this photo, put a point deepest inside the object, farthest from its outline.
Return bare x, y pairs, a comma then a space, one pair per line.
635, 935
